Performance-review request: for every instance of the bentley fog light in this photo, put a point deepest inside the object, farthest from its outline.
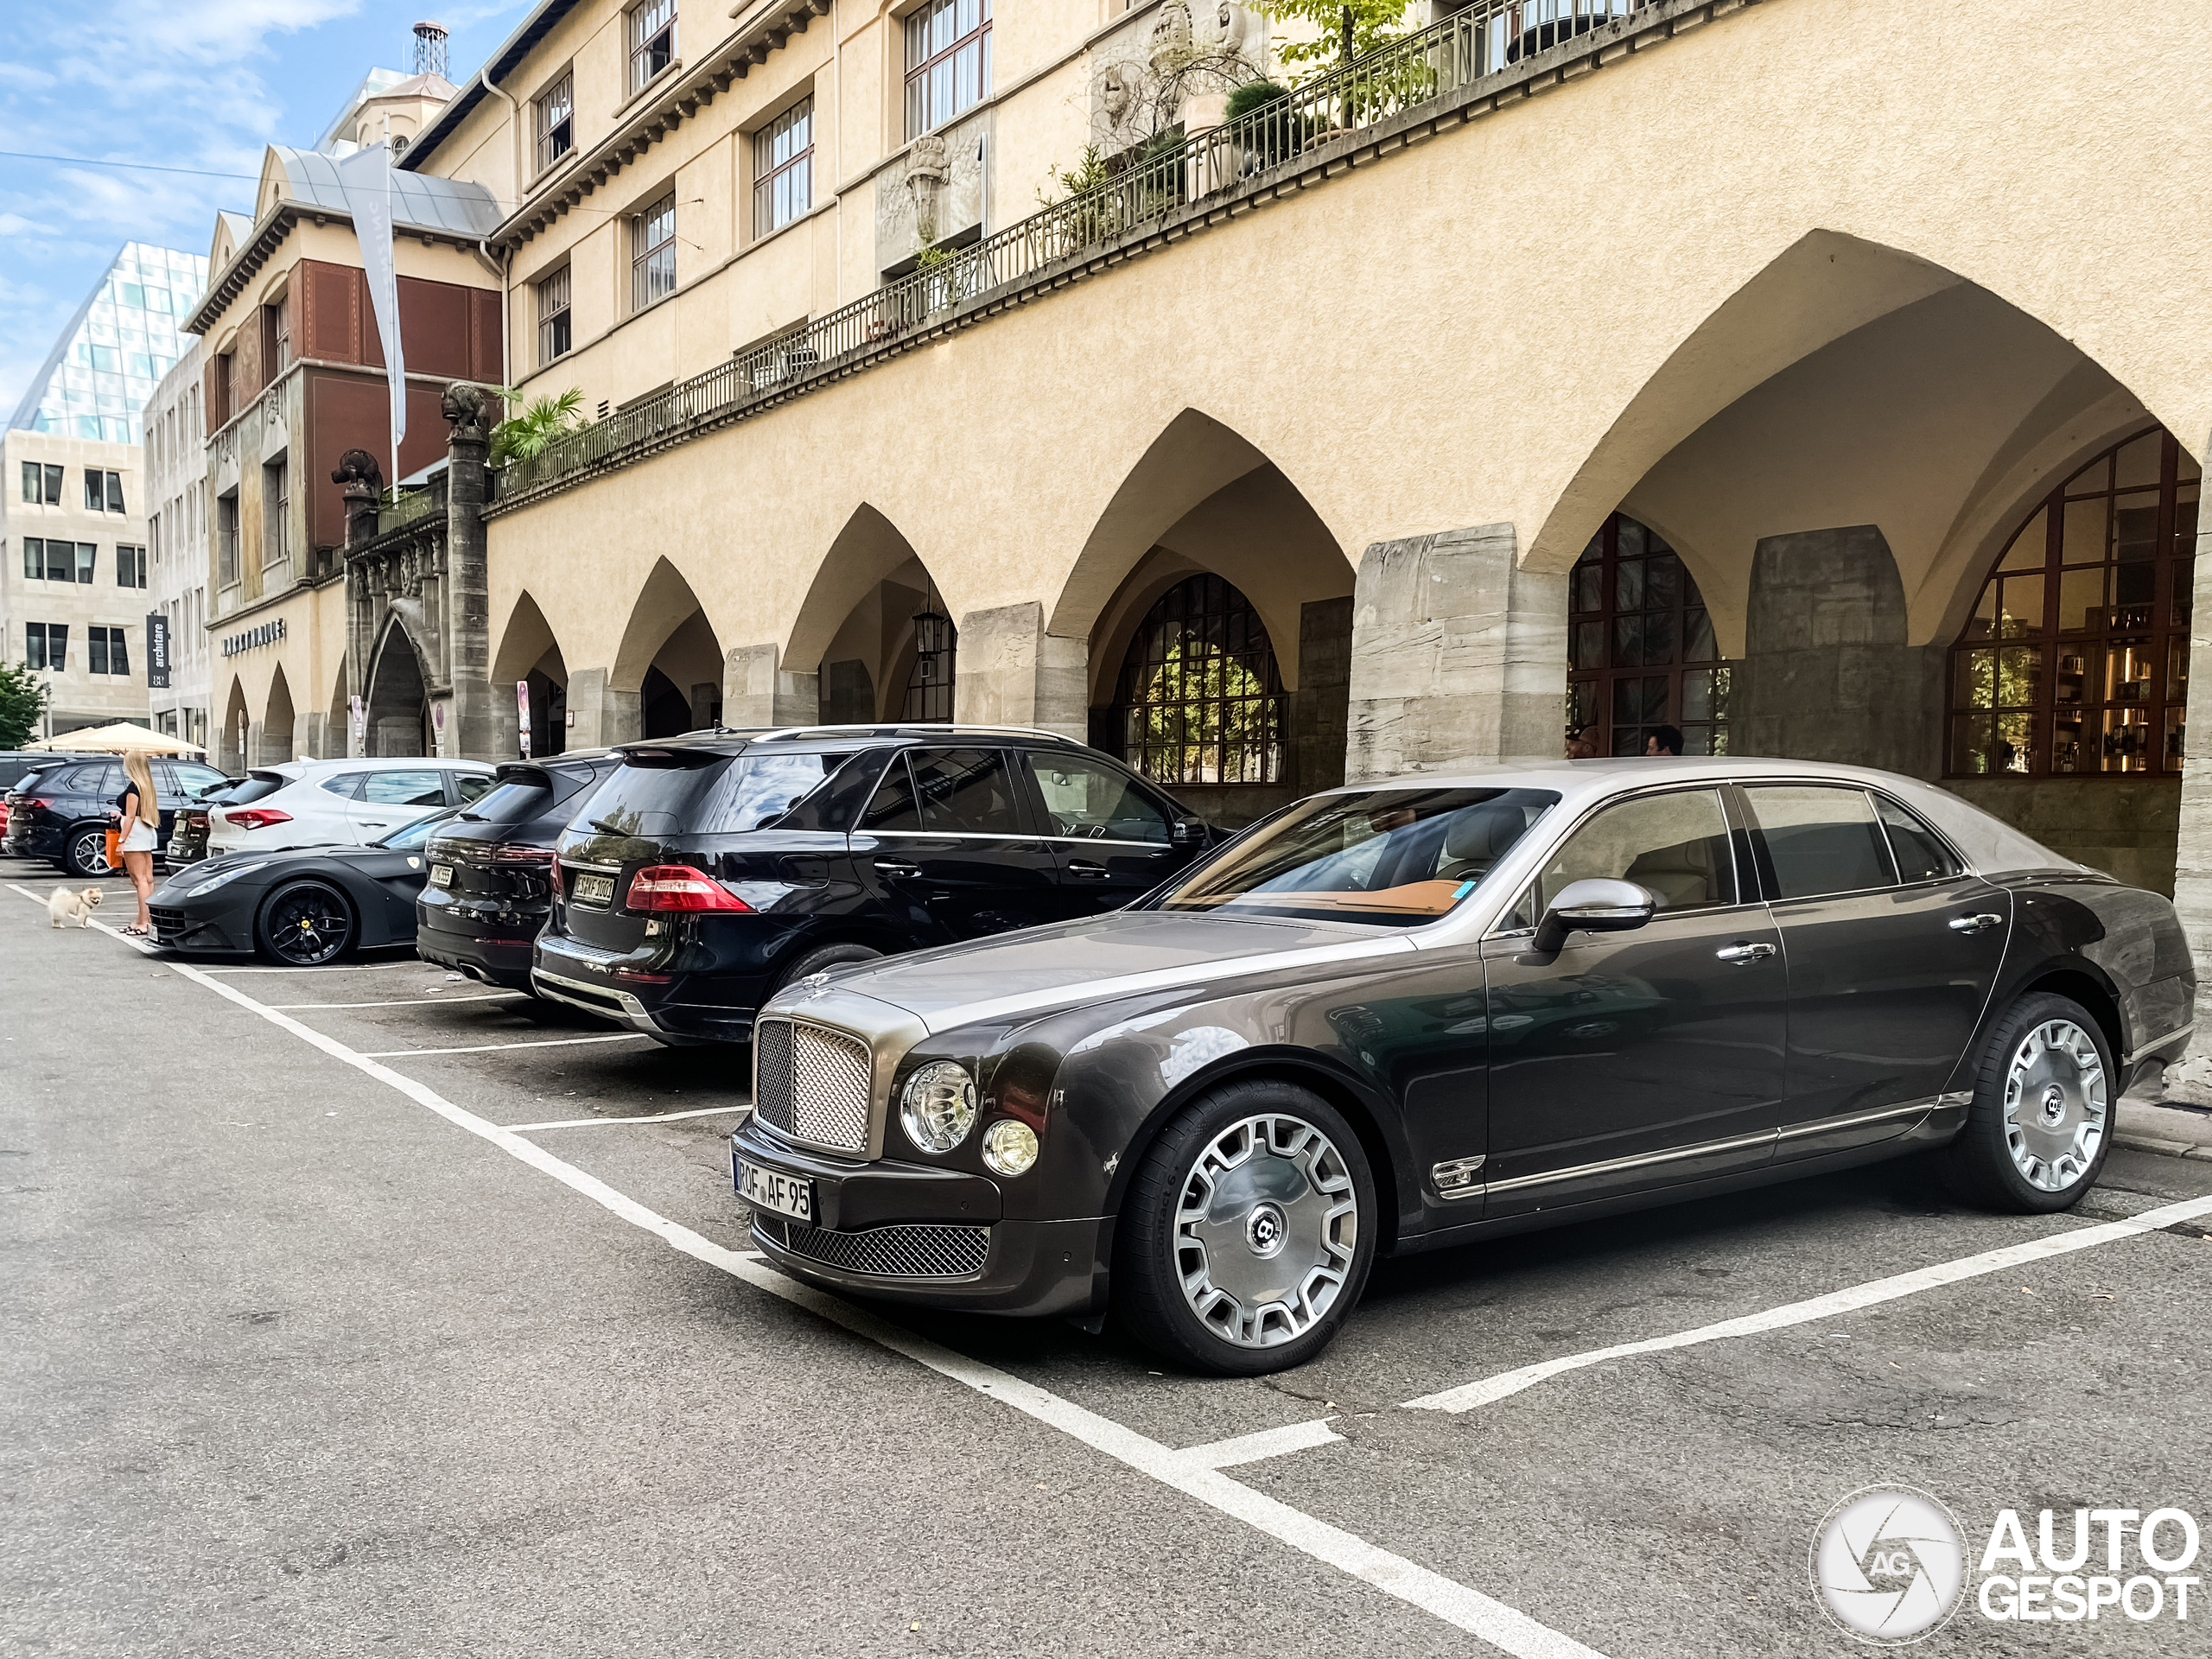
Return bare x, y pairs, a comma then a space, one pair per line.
938, 1106
1010, 1147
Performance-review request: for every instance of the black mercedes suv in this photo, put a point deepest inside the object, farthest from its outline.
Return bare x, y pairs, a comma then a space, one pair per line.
490, 880
713, 868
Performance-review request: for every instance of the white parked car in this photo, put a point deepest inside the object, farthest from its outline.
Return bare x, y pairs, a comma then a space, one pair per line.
339, 802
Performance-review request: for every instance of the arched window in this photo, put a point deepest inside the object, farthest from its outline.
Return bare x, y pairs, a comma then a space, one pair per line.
1200, 701
929, 684
2076, 657
1641, 652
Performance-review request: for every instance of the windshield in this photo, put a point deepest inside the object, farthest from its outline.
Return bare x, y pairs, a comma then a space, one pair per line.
1387, 857
726, 798
415, 834
511, 802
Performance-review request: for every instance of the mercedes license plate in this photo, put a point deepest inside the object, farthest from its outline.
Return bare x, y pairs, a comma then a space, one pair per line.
596, 890
441, 875
769, 1189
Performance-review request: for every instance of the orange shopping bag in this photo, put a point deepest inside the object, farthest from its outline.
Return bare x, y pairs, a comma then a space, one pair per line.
114, 845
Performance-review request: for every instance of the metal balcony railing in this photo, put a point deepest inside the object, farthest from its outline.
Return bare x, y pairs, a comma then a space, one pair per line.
426, 502
1154, 183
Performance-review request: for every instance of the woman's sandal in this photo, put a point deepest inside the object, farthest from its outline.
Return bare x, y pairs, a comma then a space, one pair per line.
132, 931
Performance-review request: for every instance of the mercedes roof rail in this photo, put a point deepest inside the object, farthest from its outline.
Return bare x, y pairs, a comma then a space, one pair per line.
900, 729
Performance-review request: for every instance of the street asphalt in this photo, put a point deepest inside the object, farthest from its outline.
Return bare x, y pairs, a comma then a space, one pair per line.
296, 1363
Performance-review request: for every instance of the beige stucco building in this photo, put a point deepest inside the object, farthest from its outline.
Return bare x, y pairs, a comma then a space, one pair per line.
1818, 377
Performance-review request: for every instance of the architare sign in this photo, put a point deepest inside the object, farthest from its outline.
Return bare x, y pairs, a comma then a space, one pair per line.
157, 651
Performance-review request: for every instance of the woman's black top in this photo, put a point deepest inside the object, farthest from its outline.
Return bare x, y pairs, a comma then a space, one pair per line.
122, 805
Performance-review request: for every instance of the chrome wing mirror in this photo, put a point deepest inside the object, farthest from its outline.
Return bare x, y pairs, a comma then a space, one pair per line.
1593, 906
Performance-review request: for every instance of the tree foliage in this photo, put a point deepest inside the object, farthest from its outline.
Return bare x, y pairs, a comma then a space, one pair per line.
1350, 28
524, 435
22, 699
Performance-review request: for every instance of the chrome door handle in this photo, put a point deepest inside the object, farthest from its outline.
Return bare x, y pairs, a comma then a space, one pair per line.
1974, 924
897, 870
1744, 954
1086, 869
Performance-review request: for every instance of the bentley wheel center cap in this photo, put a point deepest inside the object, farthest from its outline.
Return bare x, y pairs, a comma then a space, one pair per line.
1263, 1229
2054, 1103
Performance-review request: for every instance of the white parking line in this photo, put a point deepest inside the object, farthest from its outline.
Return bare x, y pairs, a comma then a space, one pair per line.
1491, 1390
1267, 1443
593, 1122
399, 1002
328, 968
493, 1048
1503, 1627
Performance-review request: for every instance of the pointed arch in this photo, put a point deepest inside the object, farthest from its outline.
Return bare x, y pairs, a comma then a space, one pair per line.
670, 658
867, 550
338, 724
664, 604
232, 742
277, 734
529, 654
398, 696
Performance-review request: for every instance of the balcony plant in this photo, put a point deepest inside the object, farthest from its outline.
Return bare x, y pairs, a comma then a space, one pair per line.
525, 435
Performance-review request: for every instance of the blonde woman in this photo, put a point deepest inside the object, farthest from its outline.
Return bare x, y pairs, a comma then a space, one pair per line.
140, 809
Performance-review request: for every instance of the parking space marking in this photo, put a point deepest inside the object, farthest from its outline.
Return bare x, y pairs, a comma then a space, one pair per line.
492, 1048
1504, 1628
144, 947
328, 968
400, 1002
1267, 1443
593, 1122
1492, 1389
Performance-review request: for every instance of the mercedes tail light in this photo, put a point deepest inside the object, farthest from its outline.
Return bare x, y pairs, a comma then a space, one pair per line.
679, 887
513, 852
255, 818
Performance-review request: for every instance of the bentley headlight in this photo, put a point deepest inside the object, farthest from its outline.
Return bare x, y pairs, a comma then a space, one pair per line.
1010, 1147
937, 1106
231, 875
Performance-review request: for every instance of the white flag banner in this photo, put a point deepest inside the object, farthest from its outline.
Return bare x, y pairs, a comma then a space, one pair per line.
366, 177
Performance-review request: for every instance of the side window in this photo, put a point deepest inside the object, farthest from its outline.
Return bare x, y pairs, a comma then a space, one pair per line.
1674, 845
1821, 839
1918, 850
106, 780
472, 785
892, 807
347, 784
405, 789
1093, 801
966, 792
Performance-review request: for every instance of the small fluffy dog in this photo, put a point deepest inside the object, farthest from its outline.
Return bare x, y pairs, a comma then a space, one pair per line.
66, 905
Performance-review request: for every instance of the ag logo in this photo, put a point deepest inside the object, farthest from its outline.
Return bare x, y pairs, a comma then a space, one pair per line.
1888, 1565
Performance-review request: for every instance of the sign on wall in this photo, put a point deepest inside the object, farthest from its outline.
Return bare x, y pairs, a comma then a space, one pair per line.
157, 651
522, 715
268, 633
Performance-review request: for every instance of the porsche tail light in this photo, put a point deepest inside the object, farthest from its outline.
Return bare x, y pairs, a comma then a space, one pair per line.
679, 887
255, 818
511, 852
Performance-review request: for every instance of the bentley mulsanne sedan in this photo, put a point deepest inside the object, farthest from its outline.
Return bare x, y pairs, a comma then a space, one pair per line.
1398, 1017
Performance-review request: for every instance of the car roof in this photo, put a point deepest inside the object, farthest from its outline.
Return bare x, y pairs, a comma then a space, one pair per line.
736, 740
295, 770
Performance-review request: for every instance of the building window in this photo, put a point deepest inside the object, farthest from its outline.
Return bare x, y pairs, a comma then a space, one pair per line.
652, 253
653, 41
41, 485
46, 644
948, 61
2075, 658
553, 336
1200, 699
928, 683
1641, 652
102, 490
107, 653
226, 538
782, 168
50, 560
130, 566
276, 511
556, 122
280, 331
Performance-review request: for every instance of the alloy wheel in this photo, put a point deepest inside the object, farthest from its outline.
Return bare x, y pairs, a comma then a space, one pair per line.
308, 924
88, 853
1266, 1227
2055, 1105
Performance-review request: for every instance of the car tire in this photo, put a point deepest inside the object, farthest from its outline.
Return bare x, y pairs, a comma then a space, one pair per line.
1247, 1231
304, 925
827, 956
85, 854
2041, 1119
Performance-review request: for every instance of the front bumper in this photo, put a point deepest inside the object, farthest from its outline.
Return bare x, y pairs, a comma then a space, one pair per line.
933, 1238
182, 928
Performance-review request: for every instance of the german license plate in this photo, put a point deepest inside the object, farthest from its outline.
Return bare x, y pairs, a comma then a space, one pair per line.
769, 1189
441, 875
595, 890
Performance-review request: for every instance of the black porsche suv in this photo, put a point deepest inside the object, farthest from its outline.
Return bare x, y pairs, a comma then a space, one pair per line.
712, 869
491, 881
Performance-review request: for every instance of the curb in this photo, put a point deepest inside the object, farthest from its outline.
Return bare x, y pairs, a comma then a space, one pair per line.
2166, 1148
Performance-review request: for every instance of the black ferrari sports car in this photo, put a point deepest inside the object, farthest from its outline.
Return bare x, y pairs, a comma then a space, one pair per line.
299, 908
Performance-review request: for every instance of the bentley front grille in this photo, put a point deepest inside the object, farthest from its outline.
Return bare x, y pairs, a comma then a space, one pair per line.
925, 1251
811, 1084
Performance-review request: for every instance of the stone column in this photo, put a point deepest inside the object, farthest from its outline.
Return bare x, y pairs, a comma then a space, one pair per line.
473, 726
1319, 707
1459, 657
1007, 670
757, 691
2192, 1079
1827, 674
603, 715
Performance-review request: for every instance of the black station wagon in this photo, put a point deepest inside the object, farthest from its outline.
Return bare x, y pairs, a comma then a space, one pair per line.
1405, 1016
713, 868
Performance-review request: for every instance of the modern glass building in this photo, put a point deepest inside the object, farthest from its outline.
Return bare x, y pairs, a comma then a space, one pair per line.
115, 350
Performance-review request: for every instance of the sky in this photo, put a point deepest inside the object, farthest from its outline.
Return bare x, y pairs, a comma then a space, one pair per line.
198, 84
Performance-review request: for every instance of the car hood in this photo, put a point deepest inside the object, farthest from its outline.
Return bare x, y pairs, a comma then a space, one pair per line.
1089, 961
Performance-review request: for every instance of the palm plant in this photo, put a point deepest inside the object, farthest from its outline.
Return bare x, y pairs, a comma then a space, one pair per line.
524, 436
